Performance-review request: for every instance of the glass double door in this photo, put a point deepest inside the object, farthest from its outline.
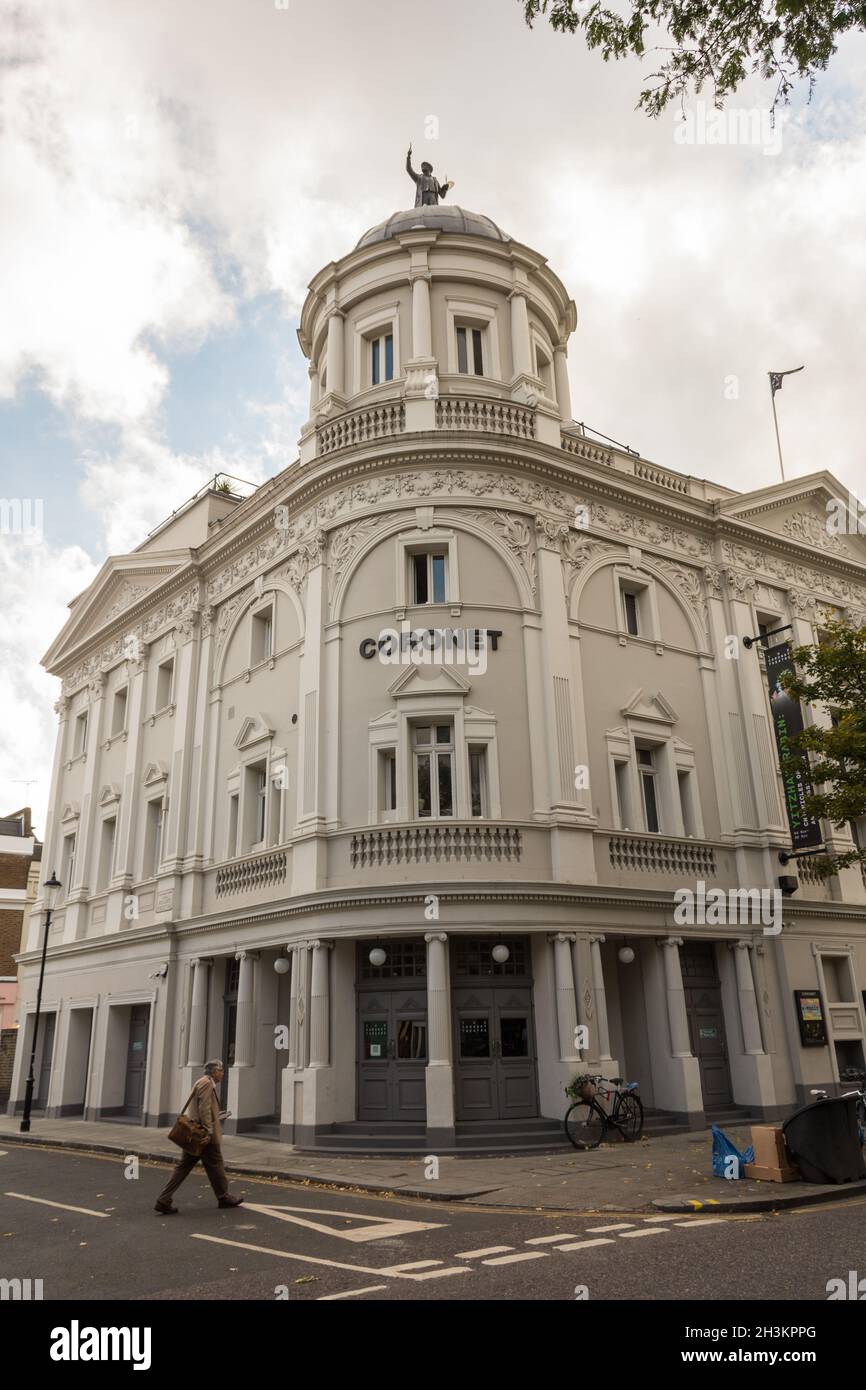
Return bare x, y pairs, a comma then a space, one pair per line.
494, 1053
392, 1054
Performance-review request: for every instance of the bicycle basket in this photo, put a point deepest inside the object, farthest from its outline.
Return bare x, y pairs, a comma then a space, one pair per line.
582, 1088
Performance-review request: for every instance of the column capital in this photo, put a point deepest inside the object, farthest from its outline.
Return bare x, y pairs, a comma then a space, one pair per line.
420, 275
670, 941
245, 955
335, 312
435, 936
319, 945
562, 936
597, 940
518, 292
741, 945
201, 960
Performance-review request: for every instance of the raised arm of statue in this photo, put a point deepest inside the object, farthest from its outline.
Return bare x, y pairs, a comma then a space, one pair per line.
409, 170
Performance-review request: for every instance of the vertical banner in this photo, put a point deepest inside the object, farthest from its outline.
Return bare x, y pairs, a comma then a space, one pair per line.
788, 722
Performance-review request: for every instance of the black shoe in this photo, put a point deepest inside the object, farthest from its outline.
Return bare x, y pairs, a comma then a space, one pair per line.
166, 1210
229, 1201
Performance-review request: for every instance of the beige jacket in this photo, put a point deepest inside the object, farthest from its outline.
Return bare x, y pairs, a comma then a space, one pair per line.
205, 1107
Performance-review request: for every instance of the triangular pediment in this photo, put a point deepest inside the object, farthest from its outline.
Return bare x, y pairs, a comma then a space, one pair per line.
818, 512
71, 812
109, 794
645, 705
154, 774
429, 680
256, 728
119, 592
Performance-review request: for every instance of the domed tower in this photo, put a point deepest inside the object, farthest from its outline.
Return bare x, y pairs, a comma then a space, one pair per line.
436, 320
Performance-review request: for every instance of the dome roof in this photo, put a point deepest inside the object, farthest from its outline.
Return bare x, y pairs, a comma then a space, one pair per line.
440, 219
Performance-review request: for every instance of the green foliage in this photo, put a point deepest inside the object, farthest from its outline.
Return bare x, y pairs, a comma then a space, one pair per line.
834, 674
718, 44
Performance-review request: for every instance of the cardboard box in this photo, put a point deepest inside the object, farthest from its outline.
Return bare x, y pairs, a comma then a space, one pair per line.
766, 1174
772, 1161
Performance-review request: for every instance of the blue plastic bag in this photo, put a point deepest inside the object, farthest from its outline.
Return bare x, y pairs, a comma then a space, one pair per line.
724, 1151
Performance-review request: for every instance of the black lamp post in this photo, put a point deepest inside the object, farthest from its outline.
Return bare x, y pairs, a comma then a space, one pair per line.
50, 885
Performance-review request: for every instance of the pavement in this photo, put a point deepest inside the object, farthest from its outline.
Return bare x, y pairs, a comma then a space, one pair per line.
669, 1174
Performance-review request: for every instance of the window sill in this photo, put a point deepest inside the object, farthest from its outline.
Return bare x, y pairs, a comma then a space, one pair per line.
158, 714
79, 758
120, 737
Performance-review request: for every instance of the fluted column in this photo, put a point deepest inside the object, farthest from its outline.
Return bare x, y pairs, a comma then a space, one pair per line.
560, 377
676, 998
197, 1039
320, 1005
566, 1004
595, 945
439, 1080
245, 1024
520, 344
748, 1001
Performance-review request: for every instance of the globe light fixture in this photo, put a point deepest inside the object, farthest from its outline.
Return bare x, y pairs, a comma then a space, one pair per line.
500, 954
626, 955
378, 956
281, 965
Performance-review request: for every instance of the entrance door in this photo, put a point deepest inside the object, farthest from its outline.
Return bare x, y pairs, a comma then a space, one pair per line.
136, 1060
706, 1020
46, 1029
392, 1054
230, 1021
494, 1053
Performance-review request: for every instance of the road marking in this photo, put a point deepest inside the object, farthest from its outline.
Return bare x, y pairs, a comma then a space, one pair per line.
668, 1217
330, 1264
702, 1221
620, 1226
415, 1264
477, 1254
585, 1244
85, 1211
3, 1153
513, 1259
350, 1293
549, 1240
633, 1235
377, 1227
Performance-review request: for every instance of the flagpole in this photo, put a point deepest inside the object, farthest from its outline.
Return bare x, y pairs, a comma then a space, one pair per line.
778, 440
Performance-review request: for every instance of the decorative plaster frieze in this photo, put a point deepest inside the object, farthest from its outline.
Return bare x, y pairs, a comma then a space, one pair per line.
516, 534
740, 583
809, 529
647, 530
821, 582
344, 543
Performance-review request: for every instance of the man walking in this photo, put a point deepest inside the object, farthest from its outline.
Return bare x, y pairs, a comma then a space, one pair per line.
203, 1107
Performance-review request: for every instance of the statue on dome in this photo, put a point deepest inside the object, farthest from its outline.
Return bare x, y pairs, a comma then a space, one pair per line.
428, 189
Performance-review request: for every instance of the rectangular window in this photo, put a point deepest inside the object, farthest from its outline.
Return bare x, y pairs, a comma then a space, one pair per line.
153, 839
630, 608
646, 768
118, 712
68, 863
262, 642
232, 846
478, 781
387, 781
470, 359
382, 359
106, 854
164, 682
434, 768
261, 805
79, 743
428, 578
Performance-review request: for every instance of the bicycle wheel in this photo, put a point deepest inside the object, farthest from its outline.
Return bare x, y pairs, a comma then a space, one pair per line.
628, 1117
585, 1124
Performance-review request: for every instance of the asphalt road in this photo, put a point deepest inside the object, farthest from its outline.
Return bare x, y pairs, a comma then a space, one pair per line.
302, 1243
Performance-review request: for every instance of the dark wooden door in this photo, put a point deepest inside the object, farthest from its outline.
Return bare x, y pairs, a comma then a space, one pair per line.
494, 1053
706, 1021
136, 1059
392, 1054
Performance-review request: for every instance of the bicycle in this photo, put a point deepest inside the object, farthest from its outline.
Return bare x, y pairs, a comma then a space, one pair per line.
587, 1122
860, 1107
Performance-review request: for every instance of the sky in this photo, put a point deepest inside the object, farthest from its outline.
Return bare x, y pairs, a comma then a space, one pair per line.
174, 173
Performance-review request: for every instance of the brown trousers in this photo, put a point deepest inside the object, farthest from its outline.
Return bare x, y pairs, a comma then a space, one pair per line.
211, 1157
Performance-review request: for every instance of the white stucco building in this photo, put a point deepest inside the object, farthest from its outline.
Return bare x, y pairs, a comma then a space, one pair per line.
243, 778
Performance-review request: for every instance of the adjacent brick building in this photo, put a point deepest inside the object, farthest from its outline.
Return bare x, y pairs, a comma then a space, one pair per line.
19, 851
